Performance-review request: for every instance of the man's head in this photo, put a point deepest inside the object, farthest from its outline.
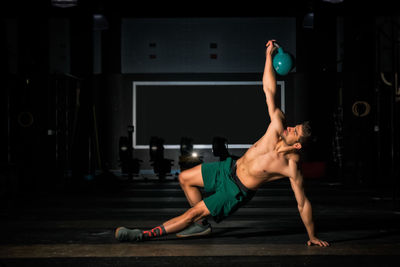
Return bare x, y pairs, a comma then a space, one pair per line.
297, 136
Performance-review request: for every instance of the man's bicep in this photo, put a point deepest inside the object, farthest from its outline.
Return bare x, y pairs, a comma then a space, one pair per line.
270, 97
296, 182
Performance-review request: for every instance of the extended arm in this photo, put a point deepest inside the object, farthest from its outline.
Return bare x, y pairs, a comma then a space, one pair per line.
304, 206
269, 80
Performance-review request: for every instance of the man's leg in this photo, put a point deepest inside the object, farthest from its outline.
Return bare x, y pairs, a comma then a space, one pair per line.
190, 181
174, 225
194, 214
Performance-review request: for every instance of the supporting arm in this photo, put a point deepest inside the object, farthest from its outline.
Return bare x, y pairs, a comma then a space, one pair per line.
304, 205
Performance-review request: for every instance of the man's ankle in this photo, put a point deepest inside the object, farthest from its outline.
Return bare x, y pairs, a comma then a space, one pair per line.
203, 222
155, 232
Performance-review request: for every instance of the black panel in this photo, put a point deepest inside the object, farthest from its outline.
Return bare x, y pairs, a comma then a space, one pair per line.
237, 112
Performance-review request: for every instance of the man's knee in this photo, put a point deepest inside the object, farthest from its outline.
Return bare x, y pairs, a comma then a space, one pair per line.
183, 178
191, 177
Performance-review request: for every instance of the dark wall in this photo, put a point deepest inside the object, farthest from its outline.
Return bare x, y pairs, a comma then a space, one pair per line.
80, 81
202, 45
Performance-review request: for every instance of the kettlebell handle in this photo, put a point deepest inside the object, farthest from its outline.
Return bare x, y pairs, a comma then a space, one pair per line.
279, 48
277, 45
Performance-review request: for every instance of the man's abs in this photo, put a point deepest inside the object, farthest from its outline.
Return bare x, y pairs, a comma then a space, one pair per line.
254, 171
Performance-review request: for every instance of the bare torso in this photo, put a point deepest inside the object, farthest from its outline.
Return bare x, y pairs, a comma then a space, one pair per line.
262, 162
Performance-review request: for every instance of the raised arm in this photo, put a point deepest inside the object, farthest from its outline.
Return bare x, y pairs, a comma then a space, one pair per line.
304, 205
269, 81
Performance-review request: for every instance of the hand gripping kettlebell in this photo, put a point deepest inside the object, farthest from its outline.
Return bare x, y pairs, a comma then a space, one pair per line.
282, 61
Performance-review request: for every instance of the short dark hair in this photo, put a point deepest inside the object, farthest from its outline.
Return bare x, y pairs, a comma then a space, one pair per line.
306, 133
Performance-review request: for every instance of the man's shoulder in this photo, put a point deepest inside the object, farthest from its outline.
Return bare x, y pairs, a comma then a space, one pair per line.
277, 120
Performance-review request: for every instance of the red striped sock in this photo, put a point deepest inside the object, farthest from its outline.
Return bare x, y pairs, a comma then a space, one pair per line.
155, 232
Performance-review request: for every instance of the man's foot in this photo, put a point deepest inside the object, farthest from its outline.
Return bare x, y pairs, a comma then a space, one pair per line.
195, 230
125, 234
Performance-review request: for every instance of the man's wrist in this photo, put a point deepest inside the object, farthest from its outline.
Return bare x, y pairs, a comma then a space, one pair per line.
311, 237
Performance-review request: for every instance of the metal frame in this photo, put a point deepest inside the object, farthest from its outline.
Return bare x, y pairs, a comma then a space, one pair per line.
198, 146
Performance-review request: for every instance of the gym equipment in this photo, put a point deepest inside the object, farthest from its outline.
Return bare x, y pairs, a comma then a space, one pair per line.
361, 108
129, 165
161, 165
220, 148
188, 158
282, 61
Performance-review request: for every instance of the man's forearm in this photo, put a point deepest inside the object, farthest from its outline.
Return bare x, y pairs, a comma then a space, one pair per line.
306, 216
269, 81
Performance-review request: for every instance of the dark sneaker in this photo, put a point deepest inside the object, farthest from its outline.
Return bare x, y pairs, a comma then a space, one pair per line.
125, 234
195, 230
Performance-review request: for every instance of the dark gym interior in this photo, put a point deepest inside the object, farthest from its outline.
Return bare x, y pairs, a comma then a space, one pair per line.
104, 103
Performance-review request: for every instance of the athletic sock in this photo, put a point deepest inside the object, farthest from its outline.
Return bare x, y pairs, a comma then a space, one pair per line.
155, 232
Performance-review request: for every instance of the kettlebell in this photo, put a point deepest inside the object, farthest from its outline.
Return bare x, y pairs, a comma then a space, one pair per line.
282, 61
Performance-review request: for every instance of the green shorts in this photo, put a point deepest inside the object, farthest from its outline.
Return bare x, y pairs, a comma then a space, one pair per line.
228, 192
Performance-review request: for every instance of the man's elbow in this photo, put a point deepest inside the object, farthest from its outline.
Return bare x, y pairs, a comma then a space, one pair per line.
301, 205
270, 90
300, 208
304, 204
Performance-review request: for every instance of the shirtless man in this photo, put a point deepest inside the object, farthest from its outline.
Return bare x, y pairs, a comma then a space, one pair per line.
272, 157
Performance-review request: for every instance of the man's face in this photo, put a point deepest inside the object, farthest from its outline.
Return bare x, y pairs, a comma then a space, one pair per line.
291, 135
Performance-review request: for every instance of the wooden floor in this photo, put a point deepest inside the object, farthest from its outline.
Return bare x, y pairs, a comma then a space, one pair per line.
76, 228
